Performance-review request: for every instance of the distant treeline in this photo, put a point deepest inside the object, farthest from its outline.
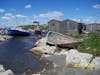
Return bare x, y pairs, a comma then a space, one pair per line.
43, 27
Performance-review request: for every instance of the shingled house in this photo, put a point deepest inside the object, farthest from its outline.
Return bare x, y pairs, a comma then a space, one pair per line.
65, 27
93, 27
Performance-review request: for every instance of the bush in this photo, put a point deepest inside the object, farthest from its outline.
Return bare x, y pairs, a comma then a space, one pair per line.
91, 44
78, 36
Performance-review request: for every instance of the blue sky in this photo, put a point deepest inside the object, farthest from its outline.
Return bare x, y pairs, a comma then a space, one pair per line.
19, 12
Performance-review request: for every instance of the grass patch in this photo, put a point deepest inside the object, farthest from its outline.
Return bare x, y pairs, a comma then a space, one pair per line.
91, 44
78, 36
66, 49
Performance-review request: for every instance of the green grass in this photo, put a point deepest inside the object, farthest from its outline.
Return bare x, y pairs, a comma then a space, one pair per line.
43, 27
79, 36
91, 44
66, 49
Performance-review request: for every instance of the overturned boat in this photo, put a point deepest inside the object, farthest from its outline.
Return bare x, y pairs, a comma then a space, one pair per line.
54, 38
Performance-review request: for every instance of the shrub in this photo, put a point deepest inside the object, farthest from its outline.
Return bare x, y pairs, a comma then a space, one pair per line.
91, 44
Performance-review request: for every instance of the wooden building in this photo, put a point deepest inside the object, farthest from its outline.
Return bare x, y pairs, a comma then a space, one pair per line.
93, 27
65, 27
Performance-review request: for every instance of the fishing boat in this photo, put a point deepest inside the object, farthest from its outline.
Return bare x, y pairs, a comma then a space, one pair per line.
54, 38
18, 32
37, 30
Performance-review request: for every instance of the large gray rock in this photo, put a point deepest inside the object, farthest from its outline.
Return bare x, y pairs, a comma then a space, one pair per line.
85, 58
74, 57
5, 72
96, 63
41, 42
58, 60
62, 52
43, 50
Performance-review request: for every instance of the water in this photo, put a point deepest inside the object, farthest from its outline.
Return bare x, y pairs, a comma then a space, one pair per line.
14, 55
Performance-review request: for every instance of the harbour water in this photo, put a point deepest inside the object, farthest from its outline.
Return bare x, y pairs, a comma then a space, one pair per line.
14, 55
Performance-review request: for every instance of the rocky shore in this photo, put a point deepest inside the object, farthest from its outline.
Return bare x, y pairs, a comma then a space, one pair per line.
62, 61
66, 62
5, 72
4, 37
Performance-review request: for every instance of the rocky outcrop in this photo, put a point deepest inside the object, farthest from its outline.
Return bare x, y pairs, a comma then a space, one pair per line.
77, 59
41, 42
96, 63
43, 50
71, 58
58, 60
5, 72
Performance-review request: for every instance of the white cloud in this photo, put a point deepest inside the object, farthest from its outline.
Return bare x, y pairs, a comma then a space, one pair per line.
8, 14
5, 18
77, 20
2, 10
87, 20
20, 16
28, 6
98, 21
50, 15
97, 6
12, 19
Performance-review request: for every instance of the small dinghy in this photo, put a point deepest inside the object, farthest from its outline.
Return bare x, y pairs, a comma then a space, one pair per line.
54, 38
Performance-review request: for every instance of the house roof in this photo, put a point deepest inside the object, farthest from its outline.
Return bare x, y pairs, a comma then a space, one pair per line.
54, 20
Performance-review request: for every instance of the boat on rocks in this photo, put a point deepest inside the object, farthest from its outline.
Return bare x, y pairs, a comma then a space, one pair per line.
54, 38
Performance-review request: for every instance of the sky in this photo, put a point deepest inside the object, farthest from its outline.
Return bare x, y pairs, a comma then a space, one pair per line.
23, 12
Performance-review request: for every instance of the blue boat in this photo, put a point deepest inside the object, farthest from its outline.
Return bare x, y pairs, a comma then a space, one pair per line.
18, 32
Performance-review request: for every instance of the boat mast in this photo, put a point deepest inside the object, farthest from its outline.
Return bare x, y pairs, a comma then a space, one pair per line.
16, 20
